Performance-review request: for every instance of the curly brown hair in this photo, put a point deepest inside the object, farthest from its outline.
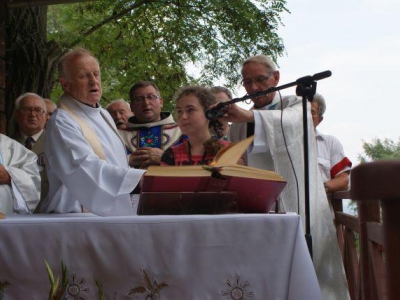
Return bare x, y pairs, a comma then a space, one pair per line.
206, 99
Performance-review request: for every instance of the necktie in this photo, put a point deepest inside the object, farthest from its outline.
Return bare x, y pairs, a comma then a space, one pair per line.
29, 142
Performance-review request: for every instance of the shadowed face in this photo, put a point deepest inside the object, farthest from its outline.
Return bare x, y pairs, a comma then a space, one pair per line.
120, 112
256, 78
190, 115
82, 79
316, 117
31, 115
146, 104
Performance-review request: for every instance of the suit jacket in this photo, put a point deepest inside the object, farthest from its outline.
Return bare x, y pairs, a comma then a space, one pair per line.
38, 149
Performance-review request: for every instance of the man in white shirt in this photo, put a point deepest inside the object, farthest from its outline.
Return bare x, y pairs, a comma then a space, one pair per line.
277, 124
87, 163
31, 115
333, 164
19, 178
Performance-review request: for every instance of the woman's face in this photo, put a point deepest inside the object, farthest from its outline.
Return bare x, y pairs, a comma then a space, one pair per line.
190, 115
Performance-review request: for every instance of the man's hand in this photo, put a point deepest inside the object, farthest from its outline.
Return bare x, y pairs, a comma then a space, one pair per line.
4, 176
144, 157
237, 114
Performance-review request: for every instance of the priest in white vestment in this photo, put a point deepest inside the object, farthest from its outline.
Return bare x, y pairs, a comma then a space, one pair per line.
87, 164
19, 178
277, 124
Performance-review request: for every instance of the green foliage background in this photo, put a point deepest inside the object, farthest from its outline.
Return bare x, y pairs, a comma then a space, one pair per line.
156, 40
380, 149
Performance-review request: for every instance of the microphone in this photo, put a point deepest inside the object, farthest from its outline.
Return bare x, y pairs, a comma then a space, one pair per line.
217, 111
221, 109
315, 77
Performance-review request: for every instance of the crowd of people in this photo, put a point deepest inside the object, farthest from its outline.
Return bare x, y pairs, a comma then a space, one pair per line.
83, 158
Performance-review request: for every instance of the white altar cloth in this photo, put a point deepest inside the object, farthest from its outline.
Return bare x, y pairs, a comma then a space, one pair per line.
163, 257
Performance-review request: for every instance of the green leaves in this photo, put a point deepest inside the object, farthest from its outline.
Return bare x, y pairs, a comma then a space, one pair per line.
57, 290
156, 40
152, 288
378, 149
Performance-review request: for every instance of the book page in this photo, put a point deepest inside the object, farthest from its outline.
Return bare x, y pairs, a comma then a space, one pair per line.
249, 172
232, 153
177, 171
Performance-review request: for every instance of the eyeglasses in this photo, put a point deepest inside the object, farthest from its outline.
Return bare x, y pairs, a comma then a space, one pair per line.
258, 80
28, 110
141, 99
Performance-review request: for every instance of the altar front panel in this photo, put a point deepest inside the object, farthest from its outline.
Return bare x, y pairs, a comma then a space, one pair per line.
163, 257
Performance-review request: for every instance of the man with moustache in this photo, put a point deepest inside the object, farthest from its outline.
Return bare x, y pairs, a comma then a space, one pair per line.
31, 115
277, 124
150, 131
120, 111
87, 165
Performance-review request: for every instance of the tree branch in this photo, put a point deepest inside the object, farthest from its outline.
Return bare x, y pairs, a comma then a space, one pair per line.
110, 19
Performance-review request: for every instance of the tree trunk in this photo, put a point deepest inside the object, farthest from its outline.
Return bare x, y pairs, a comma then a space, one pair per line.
30, 60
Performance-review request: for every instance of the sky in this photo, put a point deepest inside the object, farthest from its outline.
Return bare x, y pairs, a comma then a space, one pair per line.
359, 42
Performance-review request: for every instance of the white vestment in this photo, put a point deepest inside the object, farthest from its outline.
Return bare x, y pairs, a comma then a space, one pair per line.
78, 177
21, 164
270, 152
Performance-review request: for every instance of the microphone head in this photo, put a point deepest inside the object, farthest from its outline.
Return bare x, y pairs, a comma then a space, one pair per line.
322, 75
215, 112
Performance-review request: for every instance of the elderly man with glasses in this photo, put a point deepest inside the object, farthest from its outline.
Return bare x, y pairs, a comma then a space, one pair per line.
150, 131
277, 124
30, 116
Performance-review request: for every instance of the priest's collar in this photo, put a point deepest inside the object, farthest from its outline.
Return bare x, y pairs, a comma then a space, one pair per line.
166, 119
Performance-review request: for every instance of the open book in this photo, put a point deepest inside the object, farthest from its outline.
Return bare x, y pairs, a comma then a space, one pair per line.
253, 190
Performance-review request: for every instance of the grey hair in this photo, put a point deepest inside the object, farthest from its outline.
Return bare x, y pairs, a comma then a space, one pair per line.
262, 60
320, 100
118, 101
23, 96
70, 55
220, 89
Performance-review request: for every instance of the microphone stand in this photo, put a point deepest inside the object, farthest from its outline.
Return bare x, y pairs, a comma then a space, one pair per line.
306, 88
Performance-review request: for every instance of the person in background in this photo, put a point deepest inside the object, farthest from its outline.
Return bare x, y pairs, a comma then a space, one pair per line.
19, 178
200, 148
30, 116
333, 164
277, 125
50, 108
120, 111
222, 94
87, 166
150, 131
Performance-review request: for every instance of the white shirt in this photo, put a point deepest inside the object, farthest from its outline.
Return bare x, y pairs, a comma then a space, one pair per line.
21, 164
77, 176
331, 158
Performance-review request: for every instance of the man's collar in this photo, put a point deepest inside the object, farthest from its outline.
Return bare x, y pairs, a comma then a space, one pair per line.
166, 118
36, 136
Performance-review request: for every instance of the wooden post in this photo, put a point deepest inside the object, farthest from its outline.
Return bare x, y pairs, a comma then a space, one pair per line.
373, 182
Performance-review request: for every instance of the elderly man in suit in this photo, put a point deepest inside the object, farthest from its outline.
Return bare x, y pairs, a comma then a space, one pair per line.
31, 115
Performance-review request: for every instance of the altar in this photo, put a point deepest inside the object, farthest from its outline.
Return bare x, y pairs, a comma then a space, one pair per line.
232, 256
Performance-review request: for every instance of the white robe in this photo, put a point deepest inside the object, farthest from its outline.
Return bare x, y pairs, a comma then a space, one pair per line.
21, 164
269, 152
78, 177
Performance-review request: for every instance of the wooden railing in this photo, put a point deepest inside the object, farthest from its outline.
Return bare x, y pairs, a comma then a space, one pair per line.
370, 243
